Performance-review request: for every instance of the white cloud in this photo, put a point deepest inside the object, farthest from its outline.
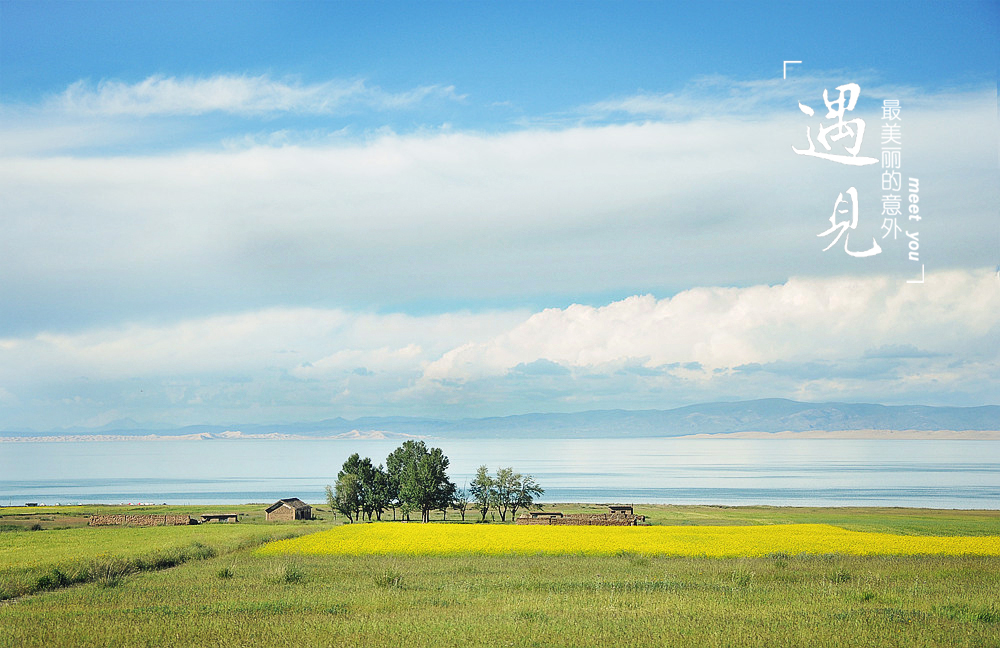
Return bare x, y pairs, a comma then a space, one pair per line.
433, 219
803, 320
528, 215
716, 94
305, 342
761, 98
808, 338
246, 95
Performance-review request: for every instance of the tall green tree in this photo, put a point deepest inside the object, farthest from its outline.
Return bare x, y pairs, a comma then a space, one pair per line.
514, 491
347, 496
525, 490
503, 488
372, 485
483, 491
400, 461
422, 478
462, 500
376, 494
361, 470
331, 500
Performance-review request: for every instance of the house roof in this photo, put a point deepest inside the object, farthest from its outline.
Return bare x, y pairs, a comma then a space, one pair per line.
290, 502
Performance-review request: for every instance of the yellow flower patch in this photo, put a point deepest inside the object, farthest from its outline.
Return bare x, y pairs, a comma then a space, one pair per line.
388, 538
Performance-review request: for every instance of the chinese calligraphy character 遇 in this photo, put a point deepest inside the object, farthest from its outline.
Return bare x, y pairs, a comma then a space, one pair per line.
840, 129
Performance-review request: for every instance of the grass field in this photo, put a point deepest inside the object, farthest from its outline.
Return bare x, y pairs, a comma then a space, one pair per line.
32, 561
243, 598
60, 517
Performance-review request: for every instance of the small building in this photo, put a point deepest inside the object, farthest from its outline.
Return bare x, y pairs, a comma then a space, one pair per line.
622, 509
544, 514
220, 517
290, 508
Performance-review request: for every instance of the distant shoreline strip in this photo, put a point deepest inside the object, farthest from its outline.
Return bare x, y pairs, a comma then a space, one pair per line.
872, 435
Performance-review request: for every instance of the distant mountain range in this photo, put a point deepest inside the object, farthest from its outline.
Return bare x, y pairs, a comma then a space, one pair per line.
766, 415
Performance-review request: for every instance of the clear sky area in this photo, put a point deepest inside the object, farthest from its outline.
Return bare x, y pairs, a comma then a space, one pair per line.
250, 212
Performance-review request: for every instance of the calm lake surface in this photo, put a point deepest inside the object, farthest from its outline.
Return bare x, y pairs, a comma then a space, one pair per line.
806, 472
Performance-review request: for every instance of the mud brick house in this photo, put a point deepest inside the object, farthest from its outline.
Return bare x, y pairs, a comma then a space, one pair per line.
291, 508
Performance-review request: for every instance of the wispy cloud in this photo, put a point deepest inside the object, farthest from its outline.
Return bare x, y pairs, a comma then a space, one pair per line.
235, 94
757, 99
534, 216
707, 95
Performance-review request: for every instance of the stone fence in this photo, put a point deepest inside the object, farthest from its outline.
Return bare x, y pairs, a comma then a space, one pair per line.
140, 520
584, 519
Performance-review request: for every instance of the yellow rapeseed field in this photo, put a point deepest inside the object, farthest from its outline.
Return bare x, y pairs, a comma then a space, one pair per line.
388, 538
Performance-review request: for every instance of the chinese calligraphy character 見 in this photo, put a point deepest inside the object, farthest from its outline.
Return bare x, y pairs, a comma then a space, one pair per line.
840, 129
844, 225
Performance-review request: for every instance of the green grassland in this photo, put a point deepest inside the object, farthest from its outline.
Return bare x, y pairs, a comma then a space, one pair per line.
58, 517
233, 596
46, 559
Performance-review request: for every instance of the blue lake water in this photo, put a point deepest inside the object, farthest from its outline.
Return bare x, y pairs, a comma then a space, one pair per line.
804, 472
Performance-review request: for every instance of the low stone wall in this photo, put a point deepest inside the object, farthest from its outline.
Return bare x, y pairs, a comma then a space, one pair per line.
525, 519
139, 520
585, 519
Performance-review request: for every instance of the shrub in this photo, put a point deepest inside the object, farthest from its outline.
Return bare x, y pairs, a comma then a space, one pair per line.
742, 578
293, 574
840, 576
110, 572
389, 578
337, 608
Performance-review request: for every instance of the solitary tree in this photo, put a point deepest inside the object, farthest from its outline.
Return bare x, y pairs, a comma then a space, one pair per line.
331, 500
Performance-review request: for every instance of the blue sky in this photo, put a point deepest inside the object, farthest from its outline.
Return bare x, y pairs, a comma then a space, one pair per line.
257, 212
542, 56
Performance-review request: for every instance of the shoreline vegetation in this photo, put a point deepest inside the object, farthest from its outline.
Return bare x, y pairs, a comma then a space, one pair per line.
224, 584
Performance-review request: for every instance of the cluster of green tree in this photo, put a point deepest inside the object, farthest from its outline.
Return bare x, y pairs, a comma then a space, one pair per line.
415, 479
507, 492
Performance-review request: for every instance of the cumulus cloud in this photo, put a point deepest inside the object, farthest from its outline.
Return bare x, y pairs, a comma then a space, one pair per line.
236, 94
802, 320
869, 339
